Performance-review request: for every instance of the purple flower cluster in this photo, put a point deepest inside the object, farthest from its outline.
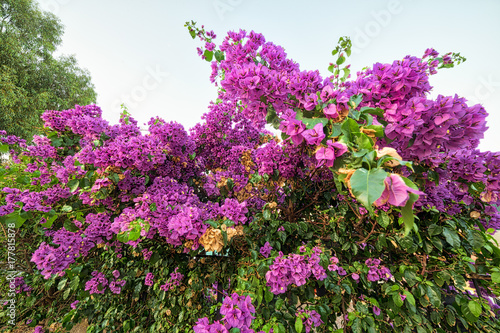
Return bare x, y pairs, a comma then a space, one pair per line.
38, 329
147, 254
100, 183
376, 271
174, 280
433, 127
115, 285
312, 318
99, 228
333, 267
272, 77
51, 260
187, 225
294, 269
266, 250
97, 284
149, 280
11, 139
172, 210
66, 169
21, 286
237, 312
32, 201
234, 211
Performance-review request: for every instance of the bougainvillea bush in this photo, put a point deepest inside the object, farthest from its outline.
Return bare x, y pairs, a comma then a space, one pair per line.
298, 204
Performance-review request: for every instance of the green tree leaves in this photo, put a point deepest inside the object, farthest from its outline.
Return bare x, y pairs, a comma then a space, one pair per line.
31, 78
368, 185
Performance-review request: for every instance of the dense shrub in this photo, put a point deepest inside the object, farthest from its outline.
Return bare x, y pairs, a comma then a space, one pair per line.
372, 211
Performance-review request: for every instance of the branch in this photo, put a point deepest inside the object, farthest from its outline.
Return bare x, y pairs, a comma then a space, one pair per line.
369, 234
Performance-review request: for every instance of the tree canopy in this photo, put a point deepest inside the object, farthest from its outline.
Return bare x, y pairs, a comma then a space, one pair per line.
32, 79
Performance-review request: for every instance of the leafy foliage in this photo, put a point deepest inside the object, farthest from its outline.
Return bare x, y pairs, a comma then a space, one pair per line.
32, 80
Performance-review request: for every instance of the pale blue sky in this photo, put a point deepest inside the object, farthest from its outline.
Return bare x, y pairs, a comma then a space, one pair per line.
140, 53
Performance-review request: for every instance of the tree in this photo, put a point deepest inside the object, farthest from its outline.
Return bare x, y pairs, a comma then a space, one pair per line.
32, 80
372, 212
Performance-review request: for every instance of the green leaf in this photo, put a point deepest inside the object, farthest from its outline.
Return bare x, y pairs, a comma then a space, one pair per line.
299, 326
67, 317
458, 280
268, 296
409, 297
219, 55
50, 221
75, 283
495, 277
310, 123
407, 210
212, 223
467, 313
14, 218
66, 209
434, 296
271, 115
25, 180
66, 293
4, 149
259, 296
356, 326
408, 217
208, 55
281, 328
62, 284
356, 99
363, 141
375, 111
437, 243
368, 185
279, 303
475, 308
127, 324
349, 128
73, 185
451, 237
57, 142
450, 318
434, 230
475, 239
336, 130
383, 219
230, 184
70, 226
134, 235
122, 237
379, 130
396, 298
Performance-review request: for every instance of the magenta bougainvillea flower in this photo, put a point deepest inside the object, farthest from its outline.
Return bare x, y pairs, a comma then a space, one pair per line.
396, 192
331, 111
326, 156
315, 135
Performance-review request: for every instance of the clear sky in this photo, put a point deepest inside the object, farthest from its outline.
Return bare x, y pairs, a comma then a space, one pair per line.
139, 52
